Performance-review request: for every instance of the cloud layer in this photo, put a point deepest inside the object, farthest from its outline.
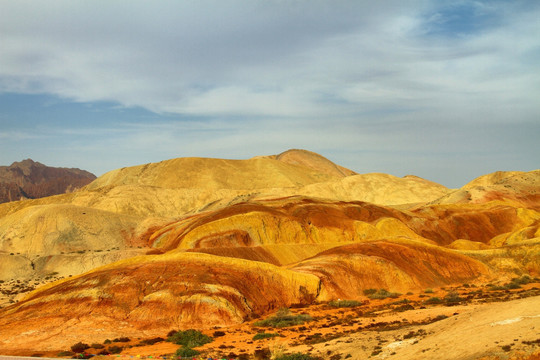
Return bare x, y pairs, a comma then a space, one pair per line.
388, 86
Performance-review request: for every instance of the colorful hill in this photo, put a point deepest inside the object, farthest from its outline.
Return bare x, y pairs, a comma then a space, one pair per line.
208, 242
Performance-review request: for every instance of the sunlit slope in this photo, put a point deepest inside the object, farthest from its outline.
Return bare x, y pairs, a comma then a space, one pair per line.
175, 290
312, 161
521, 189
399, 265
301, 220
377, 188
205, 173
38, 236
153, 294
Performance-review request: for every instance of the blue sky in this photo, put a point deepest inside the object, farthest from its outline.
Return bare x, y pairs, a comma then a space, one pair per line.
446, 90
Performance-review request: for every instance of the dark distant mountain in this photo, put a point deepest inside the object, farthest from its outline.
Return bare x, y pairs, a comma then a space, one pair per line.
29, 179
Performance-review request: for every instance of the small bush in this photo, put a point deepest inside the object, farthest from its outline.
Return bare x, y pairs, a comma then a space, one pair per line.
512, 285
452, 298
428, 291
107, 341
344, 303
122, 339
263, 335
97, 346
151, 341
433, 300
383, 294
295, 356
368, 292
79, 347
218, 334
185, 351
190, 338
284, 318
525, 279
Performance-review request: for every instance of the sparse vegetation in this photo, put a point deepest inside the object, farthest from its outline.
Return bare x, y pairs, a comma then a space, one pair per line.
368, 292
284, 318
190, 338
452, 298
428, 291
383, 294
264, 335
295, 356
344, 303
433, 300
185, 351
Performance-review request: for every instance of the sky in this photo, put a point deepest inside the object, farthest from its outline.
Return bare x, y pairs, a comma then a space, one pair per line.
445, 90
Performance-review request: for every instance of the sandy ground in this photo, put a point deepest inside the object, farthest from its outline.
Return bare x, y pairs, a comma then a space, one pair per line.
486, 324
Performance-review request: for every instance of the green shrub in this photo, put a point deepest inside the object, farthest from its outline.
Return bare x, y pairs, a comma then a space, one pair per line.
344, 303
284, 318
186, 351
525, 279
433, 300
190, 338
295, 356
452, 298
428, 291
383, 294
264, 335
368, 292
512, 285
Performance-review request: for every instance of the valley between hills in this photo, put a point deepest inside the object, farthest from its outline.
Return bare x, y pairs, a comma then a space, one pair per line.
375, 266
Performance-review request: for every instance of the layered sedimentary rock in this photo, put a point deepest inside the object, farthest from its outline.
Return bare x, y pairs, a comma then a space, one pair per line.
226, 240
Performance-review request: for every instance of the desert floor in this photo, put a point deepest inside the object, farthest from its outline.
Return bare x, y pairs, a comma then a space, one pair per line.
483, 322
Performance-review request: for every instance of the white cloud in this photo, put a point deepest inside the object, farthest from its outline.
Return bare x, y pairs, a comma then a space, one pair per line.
340, 76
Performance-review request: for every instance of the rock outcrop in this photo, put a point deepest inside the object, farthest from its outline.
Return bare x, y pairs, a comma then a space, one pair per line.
30, 180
